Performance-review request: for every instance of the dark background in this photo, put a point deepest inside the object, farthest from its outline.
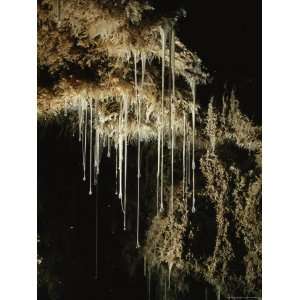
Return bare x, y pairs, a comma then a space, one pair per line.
226, 36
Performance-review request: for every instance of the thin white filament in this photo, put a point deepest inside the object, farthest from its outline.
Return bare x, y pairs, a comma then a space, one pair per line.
193, 160
139, 154
84, 144
183, 157
116, 167
172, 160
166, 287
80, 119
145, 265
96, 242
158, 169
172, 116
91, 143
170, 265
108, 146
163, 42
143, 59
120, 155
125, 163
65, 108
96, 151
149, 282
189, 161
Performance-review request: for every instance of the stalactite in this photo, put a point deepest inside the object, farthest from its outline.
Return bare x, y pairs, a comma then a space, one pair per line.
163, 42
193, 86
91, 143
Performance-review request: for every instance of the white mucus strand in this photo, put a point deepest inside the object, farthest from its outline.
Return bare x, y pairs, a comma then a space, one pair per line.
96, 151
65, 107
125, 162
163, 42
149, 282
80, 119
165, 281
172, 160
143, 59
173, 62
170, 265
139, 151
116, 167
172, 116
120, 155
158, 169
91, 144
145, 265
183, 156
189, 161
193, 86
108, 146
85, 121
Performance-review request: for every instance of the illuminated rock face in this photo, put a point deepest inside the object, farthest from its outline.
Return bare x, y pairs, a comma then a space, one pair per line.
127, 101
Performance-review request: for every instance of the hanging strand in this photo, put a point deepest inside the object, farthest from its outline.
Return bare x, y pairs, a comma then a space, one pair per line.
96, 154
172, 162
80, 119
116, 167
96, 237
163, 42
172, 57
91, 143
84, 143
125, 162
149, 282
65, 107
108, 146
158, 169
183, 158
189, 161
139, 152
165, 287
193, 161
121, 155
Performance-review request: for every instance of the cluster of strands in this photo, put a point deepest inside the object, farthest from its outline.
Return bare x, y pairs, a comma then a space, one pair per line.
88, 116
